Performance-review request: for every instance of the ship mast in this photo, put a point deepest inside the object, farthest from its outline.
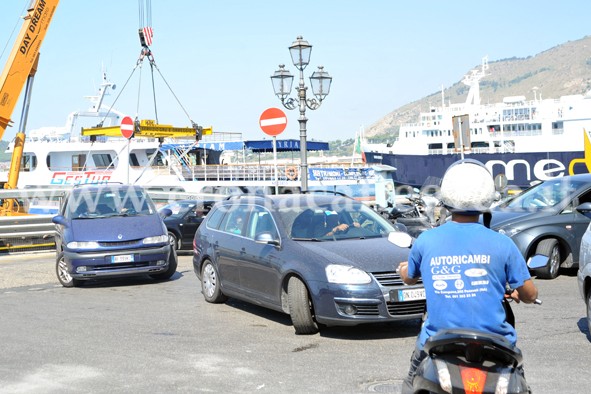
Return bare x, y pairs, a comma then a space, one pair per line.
473, 80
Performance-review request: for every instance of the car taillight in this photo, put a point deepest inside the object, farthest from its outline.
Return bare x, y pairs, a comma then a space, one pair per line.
473, 380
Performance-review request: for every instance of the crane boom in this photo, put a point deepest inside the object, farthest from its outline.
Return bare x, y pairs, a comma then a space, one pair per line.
22, 59
19, 70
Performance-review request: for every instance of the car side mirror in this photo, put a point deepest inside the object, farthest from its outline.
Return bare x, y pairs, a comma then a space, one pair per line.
266, 238
537, 261
400, 239
165, 212
59, 219
585, 209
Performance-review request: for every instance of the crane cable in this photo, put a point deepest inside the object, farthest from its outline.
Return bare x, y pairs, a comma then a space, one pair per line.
146, 34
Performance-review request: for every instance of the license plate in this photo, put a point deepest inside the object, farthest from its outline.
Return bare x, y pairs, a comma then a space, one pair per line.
409, 295
124, 258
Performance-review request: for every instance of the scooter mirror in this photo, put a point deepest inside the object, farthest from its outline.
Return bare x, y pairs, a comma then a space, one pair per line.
400, 227
537, 261
400, 239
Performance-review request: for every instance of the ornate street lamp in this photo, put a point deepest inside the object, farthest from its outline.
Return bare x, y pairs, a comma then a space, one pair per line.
282, 81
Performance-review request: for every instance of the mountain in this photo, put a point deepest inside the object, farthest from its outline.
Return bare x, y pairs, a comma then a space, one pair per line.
559, 71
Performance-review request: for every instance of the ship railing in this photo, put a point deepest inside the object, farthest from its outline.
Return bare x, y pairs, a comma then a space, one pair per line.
222, 136
254, 172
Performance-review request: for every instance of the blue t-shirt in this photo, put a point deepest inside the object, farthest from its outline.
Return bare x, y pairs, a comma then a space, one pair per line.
464, 267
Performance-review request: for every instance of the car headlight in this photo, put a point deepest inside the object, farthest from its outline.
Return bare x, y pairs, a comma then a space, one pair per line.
509, 231
156, 240
83, 245
345, 274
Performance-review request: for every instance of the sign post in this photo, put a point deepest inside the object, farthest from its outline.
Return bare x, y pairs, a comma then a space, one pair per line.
273, 121
127, 129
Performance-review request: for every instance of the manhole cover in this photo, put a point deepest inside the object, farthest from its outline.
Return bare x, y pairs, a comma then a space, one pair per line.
389, 386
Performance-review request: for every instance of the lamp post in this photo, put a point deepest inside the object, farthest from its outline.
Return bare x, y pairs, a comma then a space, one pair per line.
320, 80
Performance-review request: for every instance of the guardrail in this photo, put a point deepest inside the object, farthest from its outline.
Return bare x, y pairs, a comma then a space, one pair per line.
26, 233
36, 233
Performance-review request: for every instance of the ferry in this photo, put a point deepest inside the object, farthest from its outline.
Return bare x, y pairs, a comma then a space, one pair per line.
57, 157
520, 141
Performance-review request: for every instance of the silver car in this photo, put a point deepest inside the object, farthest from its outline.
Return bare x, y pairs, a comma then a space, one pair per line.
584, 272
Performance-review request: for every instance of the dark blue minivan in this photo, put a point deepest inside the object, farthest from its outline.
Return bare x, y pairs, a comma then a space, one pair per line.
111, 230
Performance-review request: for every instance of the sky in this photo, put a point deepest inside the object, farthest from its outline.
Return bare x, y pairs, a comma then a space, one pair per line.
217, 56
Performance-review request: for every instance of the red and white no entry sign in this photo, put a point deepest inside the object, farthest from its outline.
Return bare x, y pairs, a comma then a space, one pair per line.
273, 121
127, 127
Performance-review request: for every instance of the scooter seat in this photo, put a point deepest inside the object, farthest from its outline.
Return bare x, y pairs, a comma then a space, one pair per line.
465, 341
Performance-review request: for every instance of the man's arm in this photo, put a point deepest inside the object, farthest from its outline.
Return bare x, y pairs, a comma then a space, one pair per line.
527, 293
403, 271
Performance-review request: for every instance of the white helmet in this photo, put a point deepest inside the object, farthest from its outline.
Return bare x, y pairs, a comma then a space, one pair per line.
468, 187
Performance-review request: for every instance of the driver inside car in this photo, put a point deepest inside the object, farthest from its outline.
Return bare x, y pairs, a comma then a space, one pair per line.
334, 226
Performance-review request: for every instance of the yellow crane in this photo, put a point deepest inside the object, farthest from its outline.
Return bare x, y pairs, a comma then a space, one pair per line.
19, 70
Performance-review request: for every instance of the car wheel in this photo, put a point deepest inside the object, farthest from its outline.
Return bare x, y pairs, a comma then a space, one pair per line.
589, 310
172, 265
174, 241
210, 284
61, 269
300, 307
549, 247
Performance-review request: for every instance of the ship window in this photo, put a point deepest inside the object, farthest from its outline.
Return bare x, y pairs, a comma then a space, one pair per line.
158, 160
435, 146
28, 162
101, 160
133, 160
78, 162
557, 125
479, 144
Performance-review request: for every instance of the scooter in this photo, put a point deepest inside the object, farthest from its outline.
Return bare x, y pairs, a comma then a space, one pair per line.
471, 361
411, 216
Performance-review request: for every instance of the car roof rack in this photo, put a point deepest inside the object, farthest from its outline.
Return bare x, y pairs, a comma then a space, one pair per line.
336, 193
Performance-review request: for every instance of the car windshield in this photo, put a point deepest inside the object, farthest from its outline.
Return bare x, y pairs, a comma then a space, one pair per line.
544, 195
179, 209
334, 222
106, 202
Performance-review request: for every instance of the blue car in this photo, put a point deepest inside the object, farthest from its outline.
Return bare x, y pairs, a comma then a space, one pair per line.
322, 259
105, 231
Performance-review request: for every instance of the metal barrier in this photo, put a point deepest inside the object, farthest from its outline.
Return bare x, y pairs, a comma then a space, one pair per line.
30, 233
26, 233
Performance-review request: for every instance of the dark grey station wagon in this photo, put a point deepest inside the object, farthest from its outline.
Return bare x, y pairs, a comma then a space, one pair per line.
322, 259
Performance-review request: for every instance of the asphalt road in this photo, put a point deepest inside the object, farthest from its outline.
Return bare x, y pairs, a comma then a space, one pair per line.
136, 335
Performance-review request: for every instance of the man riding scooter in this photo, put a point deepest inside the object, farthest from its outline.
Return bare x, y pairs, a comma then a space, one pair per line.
465, 266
